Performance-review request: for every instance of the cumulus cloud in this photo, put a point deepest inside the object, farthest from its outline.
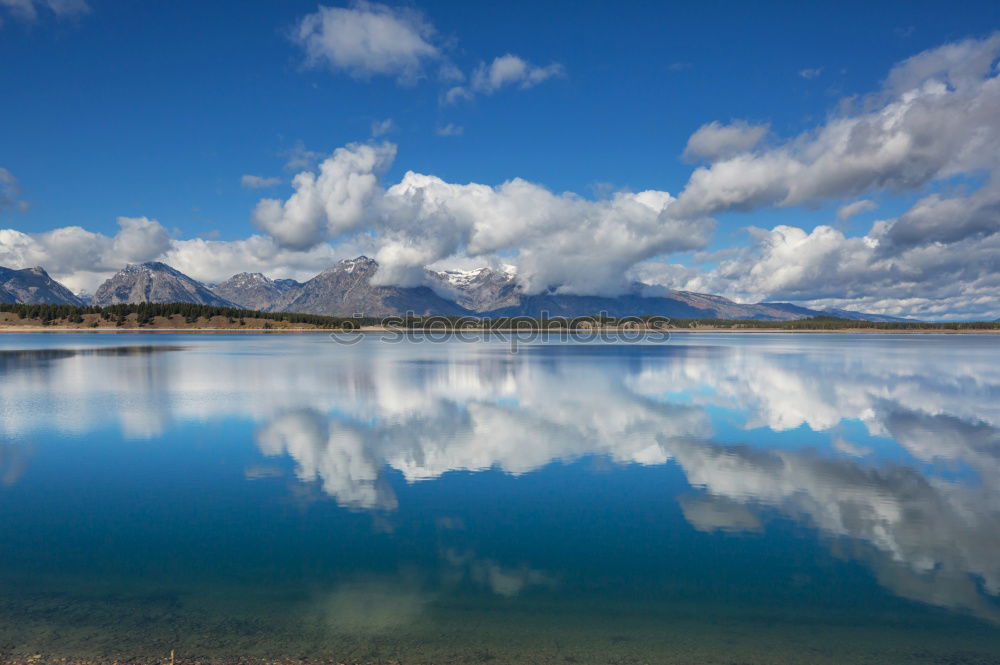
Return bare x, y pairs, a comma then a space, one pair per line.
27, 10
855, 208
939, 219
370, 39
367, 39
82, 259
10, 192
826, 268
934, 118
140, 239
335, 201
259, 182
561, 240
77, 256
216, 260
931, 126
716, 141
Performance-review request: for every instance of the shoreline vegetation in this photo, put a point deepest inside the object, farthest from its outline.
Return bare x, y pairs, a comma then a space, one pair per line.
185, 317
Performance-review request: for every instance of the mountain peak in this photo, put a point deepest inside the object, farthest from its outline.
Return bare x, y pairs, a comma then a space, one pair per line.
154, 281
480, 289
357, 262
255, 290
150, 265
249, 278
33, 286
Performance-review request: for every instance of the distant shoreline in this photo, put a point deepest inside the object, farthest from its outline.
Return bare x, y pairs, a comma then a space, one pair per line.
61, 329
193, 318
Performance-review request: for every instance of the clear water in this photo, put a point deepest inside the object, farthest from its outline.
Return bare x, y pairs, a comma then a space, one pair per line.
713, 499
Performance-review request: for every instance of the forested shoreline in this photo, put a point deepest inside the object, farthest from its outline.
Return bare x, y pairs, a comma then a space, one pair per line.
186, 315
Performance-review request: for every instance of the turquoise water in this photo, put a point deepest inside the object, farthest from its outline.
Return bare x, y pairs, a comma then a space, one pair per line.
714, 498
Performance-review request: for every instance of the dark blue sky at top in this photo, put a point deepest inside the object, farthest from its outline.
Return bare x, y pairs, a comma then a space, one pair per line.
158, 108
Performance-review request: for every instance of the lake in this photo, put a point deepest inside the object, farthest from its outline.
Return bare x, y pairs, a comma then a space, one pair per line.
712, 498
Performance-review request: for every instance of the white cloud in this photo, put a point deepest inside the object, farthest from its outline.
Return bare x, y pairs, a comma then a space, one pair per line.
932, 122
506, 70
140, 239
259, 182
450, 130
825, 268
81, 259
370, 39
855, 208
367, 39
810, 72
213, 261
509, 69
10, 192
27, 10
934, 118
336, 201
717, 141
561, 240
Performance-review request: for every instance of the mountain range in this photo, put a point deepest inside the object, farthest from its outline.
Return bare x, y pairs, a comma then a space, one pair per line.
347, 289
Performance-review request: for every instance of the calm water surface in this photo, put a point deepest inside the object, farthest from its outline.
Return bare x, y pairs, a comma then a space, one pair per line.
713, 499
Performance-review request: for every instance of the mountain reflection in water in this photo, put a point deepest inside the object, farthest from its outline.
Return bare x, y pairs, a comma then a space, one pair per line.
887, 449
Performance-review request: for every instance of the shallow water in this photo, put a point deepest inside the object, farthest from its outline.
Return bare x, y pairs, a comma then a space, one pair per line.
711, 499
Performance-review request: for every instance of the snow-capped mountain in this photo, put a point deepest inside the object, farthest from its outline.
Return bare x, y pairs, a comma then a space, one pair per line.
346, 290
480, 290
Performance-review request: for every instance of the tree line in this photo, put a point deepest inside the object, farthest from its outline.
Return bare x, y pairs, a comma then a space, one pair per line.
146, 312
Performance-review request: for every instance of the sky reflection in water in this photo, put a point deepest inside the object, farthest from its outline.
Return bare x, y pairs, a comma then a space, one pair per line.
827, 472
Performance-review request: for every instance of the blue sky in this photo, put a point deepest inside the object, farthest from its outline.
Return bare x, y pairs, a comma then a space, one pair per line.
157, 110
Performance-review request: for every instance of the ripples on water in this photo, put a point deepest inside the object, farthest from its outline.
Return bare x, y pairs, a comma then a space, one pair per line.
715, 499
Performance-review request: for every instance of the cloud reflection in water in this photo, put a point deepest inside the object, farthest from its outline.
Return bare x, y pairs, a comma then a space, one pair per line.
927, 521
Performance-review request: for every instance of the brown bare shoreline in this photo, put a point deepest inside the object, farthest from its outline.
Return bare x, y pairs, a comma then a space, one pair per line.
42, 659
94, 323
57, 329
